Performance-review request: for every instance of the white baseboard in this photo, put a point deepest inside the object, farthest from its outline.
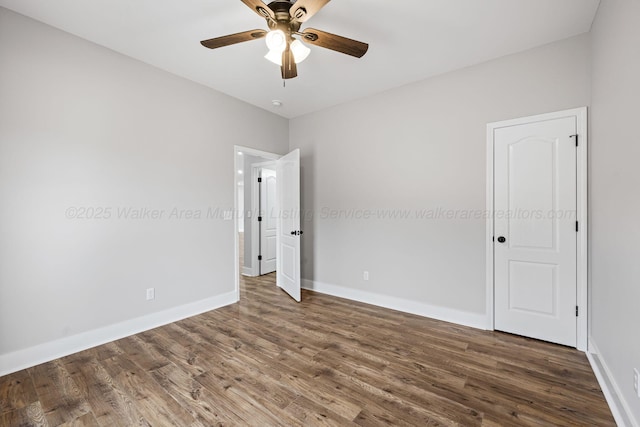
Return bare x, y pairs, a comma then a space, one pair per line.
619, 406
474, 320
248, 271
32, 356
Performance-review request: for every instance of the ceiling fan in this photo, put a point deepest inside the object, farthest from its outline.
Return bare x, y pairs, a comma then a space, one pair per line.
284, 19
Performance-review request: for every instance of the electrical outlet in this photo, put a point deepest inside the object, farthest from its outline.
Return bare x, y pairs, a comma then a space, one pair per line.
365, 275
636, 382
151, 294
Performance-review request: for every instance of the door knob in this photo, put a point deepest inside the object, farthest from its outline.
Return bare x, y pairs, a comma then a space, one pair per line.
293, 233
501, 239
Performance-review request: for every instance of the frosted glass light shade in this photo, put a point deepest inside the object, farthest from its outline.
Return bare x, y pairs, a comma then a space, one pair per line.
275, 57
300, 51
276, 40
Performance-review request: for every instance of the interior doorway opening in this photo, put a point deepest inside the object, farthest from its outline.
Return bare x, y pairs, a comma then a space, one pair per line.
250, 165
263, 218
267, 187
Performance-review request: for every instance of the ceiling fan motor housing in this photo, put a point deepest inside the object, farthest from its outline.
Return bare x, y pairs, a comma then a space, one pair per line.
283, 19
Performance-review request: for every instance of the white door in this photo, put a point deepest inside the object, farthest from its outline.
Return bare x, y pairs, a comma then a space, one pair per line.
288, 242
535, 230
268, 226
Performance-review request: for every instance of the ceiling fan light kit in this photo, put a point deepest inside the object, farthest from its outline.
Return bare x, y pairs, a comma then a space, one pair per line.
284, 19
277, 43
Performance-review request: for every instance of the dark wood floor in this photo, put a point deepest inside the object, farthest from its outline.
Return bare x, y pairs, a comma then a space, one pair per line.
269, 361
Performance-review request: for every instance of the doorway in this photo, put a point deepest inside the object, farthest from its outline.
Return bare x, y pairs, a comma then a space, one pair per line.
536, 227
267, 235
247, 207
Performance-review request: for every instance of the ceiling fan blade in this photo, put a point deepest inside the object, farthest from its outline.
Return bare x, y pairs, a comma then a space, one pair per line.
305, 9
289, 68
334, 42
233, 39
260, 8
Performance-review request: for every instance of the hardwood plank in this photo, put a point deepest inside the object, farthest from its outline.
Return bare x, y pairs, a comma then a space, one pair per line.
150, 399
302, 378
233, 396
16, 391
30, 415
272, 327
142, 353
110, 405
379, 397
105, 351
194, 397
311, 413
173, 351
59, 395
261, 386
86, 420
375, 416
431, 403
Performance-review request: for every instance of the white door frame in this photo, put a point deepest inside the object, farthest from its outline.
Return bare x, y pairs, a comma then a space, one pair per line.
581, 215
237, 216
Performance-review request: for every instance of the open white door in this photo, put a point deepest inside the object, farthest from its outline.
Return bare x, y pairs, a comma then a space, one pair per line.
268, 226
288, 241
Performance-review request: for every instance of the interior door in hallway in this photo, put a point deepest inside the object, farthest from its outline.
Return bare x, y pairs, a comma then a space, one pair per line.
268, 225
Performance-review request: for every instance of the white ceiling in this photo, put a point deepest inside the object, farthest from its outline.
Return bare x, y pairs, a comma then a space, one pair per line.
409, 40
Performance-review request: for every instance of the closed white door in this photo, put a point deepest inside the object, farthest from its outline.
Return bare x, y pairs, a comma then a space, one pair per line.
268, 225
289, 233
535, 230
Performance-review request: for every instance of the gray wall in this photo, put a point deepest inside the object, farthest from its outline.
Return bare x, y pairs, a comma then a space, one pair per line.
82, 126
615, 198
422, 146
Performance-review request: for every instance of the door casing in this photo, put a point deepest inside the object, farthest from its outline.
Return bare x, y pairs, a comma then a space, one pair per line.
581, 215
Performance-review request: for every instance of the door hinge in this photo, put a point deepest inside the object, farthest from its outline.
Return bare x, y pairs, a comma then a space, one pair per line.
577, 227
259, 179
259, 257
576, 136
259, 219
577, 311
